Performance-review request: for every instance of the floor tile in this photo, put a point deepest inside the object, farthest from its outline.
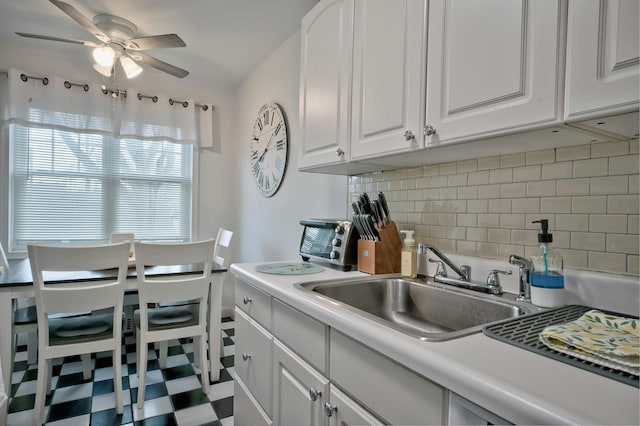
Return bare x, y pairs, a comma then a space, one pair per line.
172, 396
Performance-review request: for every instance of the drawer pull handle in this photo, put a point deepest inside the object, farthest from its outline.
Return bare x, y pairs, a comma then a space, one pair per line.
314, 394
246, 300
329, 409
245, 356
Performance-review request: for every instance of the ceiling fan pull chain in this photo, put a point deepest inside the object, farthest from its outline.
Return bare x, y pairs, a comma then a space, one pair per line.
68, 85
26, 78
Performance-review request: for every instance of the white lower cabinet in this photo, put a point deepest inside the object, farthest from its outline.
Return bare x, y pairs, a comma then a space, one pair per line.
253, 359
299, 391
344, 411
301, 372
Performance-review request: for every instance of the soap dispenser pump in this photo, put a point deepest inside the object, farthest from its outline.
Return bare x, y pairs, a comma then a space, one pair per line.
547, 276
409, 257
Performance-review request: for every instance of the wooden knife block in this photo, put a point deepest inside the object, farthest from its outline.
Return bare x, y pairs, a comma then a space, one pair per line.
381, 257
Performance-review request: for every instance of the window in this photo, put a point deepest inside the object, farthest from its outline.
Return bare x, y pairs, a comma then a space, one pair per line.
79, 188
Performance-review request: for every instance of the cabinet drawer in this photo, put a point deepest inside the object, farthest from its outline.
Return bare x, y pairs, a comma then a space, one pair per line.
246, 410
306, 336
415, 400
254, 358
255, 303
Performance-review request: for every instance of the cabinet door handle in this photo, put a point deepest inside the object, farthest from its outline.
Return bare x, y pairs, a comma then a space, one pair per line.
339, 152
329, 409
314, 394
245, 356
429, 130
409, 136
246, 300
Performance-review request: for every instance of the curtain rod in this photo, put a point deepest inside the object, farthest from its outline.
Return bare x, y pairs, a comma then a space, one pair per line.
114, 92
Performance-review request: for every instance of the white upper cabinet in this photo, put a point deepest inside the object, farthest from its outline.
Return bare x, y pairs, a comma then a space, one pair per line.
603, 49
494, 67
388, 76
325, 83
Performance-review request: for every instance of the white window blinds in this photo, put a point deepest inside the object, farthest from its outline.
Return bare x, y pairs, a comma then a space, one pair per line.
80, 188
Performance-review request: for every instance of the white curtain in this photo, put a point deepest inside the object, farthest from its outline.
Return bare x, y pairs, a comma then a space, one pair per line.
65, 105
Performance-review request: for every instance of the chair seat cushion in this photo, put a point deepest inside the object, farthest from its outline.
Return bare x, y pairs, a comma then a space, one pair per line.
170, 316
84, 328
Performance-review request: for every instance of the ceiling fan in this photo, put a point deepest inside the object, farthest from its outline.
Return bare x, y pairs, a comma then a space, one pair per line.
118, 42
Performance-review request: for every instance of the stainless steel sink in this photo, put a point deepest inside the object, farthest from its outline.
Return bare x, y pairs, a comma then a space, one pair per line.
420, 308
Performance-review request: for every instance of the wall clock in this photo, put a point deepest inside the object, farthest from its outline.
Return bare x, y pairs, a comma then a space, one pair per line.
268, 149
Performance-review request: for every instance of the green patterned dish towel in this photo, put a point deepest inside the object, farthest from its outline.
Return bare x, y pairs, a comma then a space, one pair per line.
604, 339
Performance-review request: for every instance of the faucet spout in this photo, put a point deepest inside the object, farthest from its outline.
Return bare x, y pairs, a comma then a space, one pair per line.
524, 266
463, 271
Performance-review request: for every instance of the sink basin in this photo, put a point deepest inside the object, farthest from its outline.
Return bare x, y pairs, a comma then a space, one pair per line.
420, 308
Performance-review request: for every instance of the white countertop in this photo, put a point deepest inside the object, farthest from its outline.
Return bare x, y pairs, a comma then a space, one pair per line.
518, 385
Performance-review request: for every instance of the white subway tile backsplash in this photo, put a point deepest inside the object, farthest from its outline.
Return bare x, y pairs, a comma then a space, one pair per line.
557, 170
625, 165
610, 185
573, 186
608, 149
608, 223
512, 160
540, 157
573, 153
593, 167
589, 204
622, 243
588, 241
501, 176
622, 204
484, 207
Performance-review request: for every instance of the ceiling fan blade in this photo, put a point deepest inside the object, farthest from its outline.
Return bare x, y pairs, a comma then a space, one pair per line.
80, 19
64, 40
155, 42
158, 64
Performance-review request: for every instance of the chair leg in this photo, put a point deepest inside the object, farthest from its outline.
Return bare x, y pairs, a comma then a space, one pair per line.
215, 351
49, 375
163, 348
204, 365
32, 348
142, 369
196, 353
117, 376
86, 366
41, 389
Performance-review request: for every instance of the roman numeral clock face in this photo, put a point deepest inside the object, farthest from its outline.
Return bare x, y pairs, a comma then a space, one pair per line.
268, 149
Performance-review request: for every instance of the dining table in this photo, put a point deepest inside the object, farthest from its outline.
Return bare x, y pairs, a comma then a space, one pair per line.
17, 282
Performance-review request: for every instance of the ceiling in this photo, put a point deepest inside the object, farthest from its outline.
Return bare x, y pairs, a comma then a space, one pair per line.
226, 39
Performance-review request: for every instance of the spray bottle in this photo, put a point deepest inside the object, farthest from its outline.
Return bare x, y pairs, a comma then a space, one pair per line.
547, 277
409, 257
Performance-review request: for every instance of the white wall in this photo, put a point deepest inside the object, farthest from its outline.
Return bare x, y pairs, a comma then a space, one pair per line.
269, 228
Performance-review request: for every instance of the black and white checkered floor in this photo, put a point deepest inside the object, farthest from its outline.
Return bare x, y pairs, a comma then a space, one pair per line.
173, 395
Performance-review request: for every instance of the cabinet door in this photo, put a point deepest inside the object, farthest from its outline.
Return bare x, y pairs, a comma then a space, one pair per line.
346, 412
325, 83
299, 390
253, 359
602, 58
493, 67
388, 76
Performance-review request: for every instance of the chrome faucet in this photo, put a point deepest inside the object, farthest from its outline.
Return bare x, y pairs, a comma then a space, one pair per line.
524, 288
464, 271
492, 285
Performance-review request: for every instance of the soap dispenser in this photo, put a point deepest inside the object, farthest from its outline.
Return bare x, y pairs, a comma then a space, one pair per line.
409, 257
547, 276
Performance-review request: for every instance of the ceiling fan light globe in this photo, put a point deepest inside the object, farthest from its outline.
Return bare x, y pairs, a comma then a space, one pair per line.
104, 56
106, 71
131, 69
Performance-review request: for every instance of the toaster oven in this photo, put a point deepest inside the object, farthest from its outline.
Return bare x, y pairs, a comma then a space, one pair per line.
330, 241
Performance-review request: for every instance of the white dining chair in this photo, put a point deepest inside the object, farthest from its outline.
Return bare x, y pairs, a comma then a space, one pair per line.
174, 320
87, 334
221, 256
